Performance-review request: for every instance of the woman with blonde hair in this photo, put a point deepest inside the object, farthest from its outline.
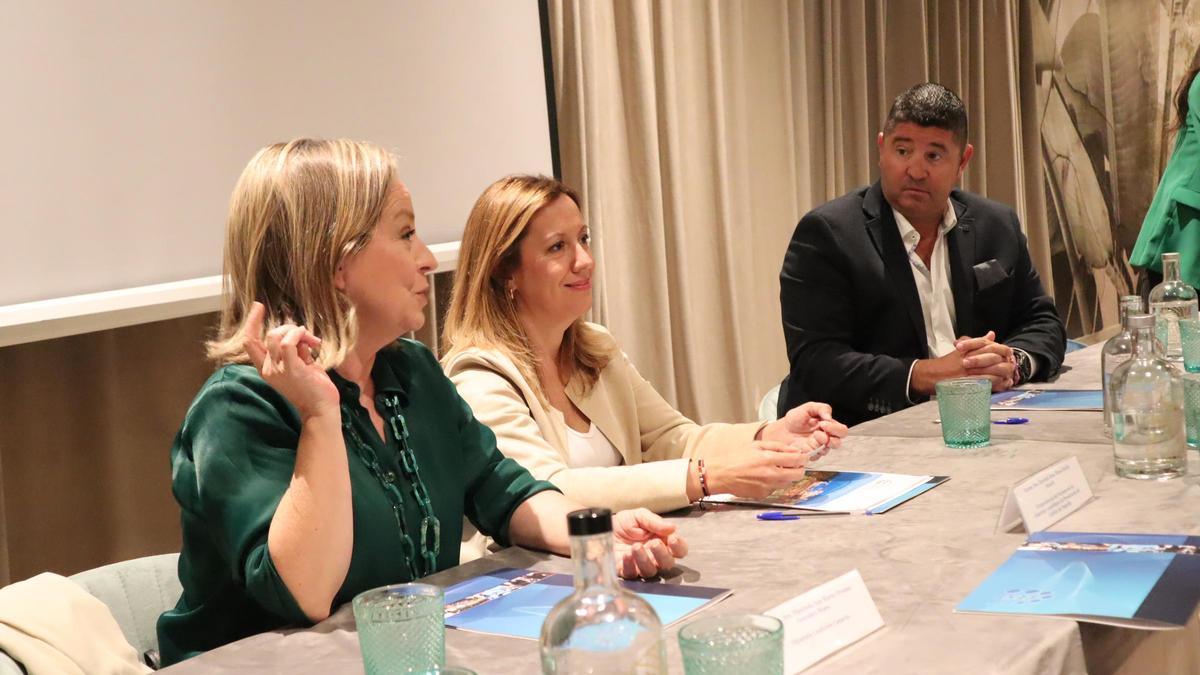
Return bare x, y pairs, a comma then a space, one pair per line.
562, 398
327, 455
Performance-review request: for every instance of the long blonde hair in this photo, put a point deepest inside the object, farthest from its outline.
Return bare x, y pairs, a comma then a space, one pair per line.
298, 210
482, 313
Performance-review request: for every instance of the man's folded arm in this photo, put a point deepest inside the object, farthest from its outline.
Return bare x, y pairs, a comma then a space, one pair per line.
1036, 326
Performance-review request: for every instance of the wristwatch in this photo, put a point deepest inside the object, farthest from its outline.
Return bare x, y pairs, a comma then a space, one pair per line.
1024, 366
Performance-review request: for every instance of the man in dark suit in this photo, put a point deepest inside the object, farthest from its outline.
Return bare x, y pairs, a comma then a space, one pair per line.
893, 287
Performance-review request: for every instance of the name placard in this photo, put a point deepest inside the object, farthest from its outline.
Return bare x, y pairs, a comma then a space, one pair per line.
825, 619
1046, 497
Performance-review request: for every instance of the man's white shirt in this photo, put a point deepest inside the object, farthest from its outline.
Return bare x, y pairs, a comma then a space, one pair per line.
933, 282
933, 287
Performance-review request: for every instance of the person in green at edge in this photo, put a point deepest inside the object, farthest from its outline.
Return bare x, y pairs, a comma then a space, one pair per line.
328, 456
1177, 202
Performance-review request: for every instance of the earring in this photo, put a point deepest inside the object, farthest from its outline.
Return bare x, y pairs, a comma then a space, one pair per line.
512, 293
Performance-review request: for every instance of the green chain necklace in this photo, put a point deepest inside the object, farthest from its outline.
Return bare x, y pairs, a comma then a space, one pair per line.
430, 530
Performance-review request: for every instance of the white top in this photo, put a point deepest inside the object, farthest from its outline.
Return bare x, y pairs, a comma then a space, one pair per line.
933, 282
590, 448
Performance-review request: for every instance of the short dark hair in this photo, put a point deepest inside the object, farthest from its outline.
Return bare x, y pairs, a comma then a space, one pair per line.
929, 104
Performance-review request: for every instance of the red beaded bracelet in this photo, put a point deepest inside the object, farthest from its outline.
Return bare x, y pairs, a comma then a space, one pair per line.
703, 478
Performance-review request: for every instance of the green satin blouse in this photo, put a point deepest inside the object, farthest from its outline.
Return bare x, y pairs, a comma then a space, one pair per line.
232, 460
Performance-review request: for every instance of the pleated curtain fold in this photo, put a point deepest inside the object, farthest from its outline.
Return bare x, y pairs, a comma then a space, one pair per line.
700, 132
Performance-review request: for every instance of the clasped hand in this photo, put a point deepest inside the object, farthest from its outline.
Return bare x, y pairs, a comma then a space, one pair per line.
645, 543
984, 357
809, 426
971, 357
779, 455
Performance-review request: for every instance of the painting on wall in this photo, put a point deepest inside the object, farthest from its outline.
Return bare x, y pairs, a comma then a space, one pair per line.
1106, 72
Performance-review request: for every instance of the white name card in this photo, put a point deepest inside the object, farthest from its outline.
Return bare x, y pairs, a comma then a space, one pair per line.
1046, 497
825, 619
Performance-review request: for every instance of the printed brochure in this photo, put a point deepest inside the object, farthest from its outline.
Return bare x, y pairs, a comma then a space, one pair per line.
841, 492
1149, 581
515, 602
1049, 399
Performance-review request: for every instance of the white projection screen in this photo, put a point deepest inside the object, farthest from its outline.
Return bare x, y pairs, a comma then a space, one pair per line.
128, 122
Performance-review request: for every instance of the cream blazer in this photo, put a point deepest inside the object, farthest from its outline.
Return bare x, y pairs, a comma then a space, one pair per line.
655, 440
50, 624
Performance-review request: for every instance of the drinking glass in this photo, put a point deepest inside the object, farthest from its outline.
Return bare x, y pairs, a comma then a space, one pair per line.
1191, 408
965, 404
1189, 337
741, 643
400, 629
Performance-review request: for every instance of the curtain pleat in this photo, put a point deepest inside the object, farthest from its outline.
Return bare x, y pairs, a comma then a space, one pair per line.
700, 132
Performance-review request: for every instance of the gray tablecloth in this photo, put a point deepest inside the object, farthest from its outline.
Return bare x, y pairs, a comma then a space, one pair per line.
1082, 371
918, 561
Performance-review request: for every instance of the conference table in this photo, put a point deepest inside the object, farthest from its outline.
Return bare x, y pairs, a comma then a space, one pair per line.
918, 561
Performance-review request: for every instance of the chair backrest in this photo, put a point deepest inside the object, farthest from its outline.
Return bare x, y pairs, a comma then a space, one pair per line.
767, 409
10, 667
136, 592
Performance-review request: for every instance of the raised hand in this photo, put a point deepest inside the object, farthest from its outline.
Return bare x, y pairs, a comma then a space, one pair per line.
645, 543
285, 361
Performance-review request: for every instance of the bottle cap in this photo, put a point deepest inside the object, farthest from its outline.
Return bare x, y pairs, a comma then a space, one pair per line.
1171, 256
589, 521
1141, 321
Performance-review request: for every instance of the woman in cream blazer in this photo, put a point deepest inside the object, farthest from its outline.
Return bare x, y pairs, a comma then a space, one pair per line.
546, 382
655, 441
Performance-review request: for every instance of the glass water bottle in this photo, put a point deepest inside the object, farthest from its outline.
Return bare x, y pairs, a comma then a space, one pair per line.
601, 627
1147, 410
1116, 351
1171, 301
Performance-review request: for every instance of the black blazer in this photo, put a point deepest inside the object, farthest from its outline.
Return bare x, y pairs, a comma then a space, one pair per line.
852, 317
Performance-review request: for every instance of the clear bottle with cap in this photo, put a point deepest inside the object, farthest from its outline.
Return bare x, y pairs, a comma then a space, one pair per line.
1147, 410
1170, 301
601, 627
1116, 351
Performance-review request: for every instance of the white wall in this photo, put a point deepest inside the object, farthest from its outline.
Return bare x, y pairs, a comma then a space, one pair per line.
128, 122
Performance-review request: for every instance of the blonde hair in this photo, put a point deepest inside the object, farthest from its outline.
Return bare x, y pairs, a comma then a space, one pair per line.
297, 211
482, 313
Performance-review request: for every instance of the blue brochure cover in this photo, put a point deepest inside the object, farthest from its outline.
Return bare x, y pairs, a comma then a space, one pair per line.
1049, 399
1132, 580
841, 492
515, 602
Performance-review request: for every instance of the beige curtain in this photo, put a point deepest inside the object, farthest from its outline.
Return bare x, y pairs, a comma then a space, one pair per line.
700, 132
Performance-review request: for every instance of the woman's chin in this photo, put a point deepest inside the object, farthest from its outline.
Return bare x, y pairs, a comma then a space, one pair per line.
414, 325
404, 327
